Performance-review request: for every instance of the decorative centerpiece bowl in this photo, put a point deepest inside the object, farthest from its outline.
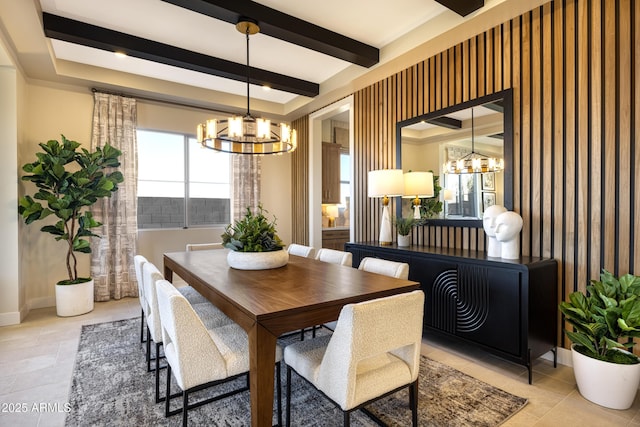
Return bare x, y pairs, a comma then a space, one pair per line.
254, 243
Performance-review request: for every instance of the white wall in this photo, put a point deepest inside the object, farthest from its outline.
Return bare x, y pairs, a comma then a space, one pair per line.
11, 294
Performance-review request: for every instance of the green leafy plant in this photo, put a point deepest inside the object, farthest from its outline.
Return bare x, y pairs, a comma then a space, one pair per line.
609, 313
69, 181
431, 207
403, 225
253, 233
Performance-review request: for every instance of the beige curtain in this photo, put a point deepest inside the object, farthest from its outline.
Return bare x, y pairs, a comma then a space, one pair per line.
112, 268
245, 184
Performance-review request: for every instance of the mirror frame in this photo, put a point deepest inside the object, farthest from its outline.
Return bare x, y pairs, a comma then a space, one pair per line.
507, 97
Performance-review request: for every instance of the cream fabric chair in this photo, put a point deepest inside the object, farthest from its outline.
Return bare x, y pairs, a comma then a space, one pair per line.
374, 351
138, 262
334, 256
203, 246
206, 311
200, 357
399, 270
301, 250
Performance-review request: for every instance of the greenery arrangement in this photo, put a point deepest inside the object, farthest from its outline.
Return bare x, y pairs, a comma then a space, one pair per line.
431, 207
252, 233
403, 225
69, 181
610, 312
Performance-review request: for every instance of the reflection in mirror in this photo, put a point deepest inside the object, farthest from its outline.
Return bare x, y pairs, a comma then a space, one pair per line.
469, 149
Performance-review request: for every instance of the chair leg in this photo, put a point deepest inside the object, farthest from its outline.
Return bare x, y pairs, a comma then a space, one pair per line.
185, 406
141, 325
148, 350
279, 391
413, 401
166, 401
158, 400
346, 418
288, 397
302, 334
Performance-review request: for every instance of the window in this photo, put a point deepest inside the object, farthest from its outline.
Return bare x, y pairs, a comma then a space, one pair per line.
180, 184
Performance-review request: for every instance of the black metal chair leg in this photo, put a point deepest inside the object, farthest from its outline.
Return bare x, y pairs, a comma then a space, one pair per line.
413, 401
158, 400
288, 397
167, 400
141, 325
185, 406
346, 418
148, 350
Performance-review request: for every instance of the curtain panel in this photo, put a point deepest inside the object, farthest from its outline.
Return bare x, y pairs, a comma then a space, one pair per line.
245, 184
112, 267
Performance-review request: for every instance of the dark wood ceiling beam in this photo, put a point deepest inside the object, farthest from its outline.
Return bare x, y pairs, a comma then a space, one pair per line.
462, 7
72, 31
286, 27
446, 122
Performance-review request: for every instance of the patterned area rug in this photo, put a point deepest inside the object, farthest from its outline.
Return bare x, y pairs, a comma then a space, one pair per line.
110, 387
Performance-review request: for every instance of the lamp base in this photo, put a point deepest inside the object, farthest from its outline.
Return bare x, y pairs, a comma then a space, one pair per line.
385, 243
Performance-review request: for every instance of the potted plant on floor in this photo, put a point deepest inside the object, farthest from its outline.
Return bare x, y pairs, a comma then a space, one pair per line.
69, 181
605, 321
404, 226
254, 242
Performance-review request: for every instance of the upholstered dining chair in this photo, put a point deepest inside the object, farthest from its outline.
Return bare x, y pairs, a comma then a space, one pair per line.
301, 250
206, 311
374, 351
200, 357
203, 246
334, 256
138, 262
399, 270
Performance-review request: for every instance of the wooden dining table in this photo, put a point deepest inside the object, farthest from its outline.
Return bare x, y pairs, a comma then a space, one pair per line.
269, 303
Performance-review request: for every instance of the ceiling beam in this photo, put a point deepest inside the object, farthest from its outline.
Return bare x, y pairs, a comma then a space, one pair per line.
446, 122
286, 27
72, 31
462, 7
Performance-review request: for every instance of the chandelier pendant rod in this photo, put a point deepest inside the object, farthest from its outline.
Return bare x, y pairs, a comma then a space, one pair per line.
248, 71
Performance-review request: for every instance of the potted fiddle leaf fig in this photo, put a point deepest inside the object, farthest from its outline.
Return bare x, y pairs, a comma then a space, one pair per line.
69, 180
254, 242
605, 321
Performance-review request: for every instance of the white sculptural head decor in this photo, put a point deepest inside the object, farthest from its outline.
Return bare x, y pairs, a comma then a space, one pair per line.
489, 225
508, 226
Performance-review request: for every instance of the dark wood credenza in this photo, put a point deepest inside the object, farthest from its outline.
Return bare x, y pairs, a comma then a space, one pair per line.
507, 307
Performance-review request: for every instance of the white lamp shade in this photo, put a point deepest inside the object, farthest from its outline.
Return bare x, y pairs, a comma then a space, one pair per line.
332, 211
449, 196
385, 182
418, 184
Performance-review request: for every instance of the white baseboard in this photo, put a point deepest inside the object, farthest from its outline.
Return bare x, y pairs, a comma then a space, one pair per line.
564, 356
10, 318
42, 302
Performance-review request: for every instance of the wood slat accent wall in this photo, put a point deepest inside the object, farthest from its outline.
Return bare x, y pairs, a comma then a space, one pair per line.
573, 66
300, 183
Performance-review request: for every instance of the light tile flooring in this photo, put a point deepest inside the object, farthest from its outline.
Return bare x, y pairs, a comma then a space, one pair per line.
37, 357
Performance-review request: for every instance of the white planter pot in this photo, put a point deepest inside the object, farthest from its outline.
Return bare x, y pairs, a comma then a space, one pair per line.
404, 240
74, 300
608, 384
257, 260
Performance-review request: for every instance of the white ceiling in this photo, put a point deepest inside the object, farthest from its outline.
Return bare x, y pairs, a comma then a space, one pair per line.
393, 27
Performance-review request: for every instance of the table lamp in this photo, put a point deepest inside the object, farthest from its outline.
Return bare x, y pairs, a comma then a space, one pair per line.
416, 186
332, 213
449, 196
385, 183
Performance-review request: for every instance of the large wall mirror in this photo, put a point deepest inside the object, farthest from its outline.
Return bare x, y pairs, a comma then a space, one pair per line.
469, 148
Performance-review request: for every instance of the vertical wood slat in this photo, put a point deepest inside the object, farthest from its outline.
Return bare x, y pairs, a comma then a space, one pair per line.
300, 183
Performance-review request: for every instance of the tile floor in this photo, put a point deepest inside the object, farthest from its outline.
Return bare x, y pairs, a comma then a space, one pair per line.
37, 357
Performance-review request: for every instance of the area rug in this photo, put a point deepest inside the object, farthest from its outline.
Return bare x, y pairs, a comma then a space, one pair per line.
110, 387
